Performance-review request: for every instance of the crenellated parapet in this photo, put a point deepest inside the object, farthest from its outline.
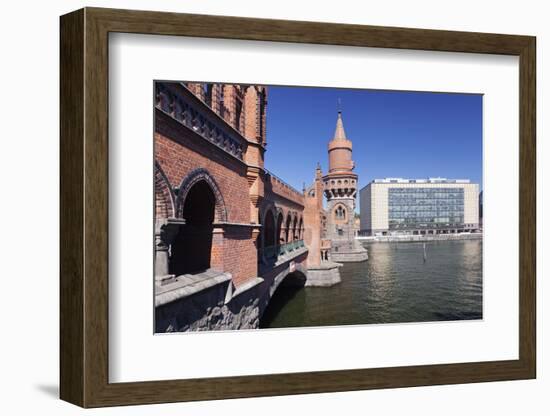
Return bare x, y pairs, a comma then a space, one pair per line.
279, 187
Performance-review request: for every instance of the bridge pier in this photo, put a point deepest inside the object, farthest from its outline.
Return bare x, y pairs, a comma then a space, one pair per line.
324, 275
348, 251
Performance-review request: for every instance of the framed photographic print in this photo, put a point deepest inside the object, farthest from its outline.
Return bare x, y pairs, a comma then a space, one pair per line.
256, 207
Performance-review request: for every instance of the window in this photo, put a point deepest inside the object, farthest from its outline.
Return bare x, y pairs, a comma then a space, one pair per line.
238, 112
221, 101
422, 207
340, 213
207, 94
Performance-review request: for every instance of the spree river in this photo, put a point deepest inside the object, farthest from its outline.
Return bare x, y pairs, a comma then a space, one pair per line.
393, 285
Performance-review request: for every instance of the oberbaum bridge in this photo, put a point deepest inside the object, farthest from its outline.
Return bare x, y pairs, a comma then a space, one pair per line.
228, 233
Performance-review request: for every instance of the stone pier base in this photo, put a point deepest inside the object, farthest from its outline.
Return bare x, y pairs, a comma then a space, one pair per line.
348, 252
207, 301
327, 274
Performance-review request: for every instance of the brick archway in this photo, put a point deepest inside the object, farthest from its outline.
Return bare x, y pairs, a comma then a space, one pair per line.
268, 217
189, 181
295, 227
288, 224
164, 197
279, 227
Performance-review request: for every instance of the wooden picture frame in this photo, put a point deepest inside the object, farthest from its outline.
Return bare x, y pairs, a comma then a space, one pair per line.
84, 207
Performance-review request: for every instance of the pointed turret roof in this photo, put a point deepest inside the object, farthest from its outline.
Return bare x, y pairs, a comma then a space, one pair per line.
340, 160
339, 133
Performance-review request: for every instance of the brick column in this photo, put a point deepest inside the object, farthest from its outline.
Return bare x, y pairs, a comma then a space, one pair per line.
161, 257
165, 233
217, 251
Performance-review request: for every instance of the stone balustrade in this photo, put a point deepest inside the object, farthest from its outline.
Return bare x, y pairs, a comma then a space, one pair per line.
175, 100
277, 251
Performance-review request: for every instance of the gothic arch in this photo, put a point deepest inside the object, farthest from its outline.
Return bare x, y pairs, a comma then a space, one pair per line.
195, 176
279, 226
295, 227
278, 211
164, 197
269, 226
265, 209
288, 224
191, 250
340, 213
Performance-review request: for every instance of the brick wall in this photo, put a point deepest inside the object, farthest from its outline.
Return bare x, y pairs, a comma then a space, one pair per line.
178, 152
253, 99
164, 199
240, 254
282, 189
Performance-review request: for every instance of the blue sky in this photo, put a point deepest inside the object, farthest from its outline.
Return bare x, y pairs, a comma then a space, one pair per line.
394, 133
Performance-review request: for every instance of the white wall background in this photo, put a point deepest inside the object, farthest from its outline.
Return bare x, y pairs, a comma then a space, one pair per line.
29, 177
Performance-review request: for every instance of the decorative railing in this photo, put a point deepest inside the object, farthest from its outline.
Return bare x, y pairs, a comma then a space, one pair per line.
274, 252
269, 252
294, 245
175, 100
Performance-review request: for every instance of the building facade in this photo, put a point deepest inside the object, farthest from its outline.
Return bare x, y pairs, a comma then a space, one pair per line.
419, 206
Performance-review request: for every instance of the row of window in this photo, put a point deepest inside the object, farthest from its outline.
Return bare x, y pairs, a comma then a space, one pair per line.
425, 190
425, 207
216, 98
340, 182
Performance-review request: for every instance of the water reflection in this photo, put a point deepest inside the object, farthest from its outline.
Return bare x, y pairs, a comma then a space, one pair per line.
394, 285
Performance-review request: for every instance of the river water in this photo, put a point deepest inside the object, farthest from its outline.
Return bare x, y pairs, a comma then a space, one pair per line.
394, 285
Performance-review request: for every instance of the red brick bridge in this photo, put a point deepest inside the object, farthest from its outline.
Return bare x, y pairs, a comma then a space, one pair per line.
228, 233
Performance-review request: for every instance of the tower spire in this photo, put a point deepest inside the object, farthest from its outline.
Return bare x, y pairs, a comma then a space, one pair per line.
339, 133
339, 149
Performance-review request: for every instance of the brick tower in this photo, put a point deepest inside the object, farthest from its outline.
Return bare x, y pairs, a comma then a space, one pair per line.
340, 188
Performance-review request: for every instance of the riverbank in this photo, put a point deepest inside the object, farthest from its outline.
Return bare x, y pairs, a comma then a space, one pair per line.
416, 238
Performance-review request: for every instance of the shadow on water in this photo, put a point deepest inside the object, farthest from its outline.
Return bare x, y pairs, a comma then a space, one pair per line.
285, 294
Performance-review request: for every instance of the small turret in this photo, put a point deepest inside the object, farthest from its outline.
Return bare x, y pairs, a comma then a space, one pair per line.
318, 171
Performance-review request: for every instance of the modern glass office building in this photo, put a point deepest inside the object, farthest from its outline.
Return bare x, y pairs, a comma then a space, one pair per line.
419, 206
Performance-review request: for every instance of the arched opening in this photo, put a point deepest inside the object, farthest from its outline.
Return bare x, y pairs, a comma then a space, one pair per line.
260, 241
164, 205
278, 230
192, 247
295, 229
287, 228
301, 229
269, 229
286, 302
340, 213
